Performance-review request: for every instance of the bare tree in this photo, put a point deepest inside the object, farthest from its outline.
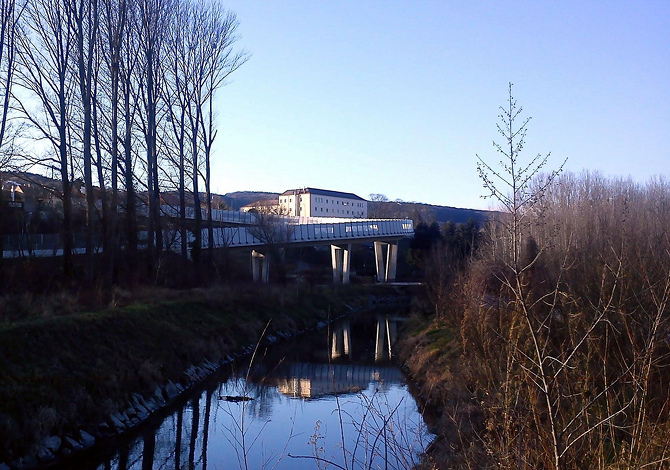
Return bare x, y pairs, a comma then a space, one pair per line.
274, 230
179, 70
154, 17
201, 57
46, 49
218, 38
85, 21
114, 19
128, 64
10, 14
512, 187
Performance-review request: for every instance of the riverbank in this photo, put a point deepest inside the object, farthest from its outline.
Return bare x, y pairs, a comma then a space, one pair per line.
67, 378
430, 351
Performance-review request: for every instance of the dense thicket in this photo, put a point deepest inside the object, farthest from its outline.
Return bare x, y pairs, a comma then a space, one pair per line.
565, 328
116, 97
563, 318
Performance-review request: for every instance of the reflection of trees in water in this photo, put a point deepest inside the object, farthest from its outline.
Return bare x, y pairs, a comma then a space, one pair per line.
149, 451
195, 417
245, 407
177, 447
205, 427
262, 396
180, 442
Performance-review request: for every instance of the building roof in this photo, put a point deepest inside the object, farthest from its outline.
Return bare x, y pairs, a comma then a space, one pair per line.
321, 192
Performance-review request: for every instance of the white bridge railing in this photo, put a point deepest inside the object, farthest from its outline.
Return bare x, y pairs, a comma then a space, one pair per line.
286, 231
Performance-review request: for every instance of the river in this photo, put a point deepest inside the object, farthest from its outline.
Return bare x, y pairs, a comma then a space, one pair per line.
330, 398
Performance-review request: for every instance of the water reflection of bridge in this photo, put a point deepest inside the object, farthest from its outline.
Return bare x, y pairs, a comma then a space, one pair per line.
312, 380
305, 380
385, 338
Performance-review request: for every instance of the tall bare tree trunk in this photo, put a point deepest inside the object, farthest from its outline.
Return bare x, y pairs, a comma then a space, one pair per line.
8, 24
115, 16
154, 18
131, 212
197, 205
44, 72
100, 165
85, 16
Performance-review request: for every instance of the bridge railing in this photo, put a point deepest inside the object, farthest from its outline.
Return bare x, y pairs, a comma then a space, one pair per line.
342, 231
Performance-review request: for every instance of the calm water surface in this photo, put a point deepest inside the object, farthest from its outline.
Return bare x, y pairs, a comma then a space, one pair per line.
332, 396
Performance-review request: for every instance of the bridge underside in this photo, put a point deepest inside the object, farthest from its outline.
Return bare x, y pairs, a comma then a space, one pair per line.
386, 261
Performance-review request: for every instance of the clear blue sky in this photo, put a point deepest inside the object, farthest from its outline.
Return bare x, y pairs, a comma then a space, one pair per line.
397, 97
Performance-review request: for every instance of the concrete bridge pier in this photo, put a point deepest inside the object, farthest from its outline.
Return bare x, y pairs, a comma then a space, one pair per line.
386, 260
260, 267
341, 259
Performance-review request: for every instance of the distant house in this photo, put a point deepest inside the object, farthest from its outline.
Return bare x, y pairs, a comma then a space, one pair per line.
264, 206
312, 202
14, 189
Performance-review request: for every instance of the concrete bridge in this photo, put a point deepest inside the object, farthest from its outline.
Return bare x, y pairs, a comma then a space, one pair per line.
261, 232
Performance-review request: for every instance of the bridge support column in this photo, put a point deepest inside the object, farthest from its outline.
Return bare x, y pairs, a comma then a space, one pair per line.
260, 267
341, 259
386, 260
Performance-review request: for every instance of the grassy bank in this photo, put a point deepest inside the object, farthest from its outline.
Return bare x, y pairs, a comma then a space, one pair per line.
430, 351
62, 373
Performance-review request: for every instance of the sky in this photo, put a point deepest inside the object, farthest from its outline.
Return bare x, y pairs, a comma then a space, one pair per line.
399, 97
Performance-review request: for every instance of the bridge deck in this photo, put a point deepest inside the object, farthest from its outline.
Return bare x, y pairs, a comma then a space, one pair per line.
309, 231
244, 229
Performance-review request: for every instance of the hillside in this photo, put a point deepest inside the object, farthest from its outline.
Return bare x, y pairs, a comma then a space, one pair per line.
238, 199
424, 212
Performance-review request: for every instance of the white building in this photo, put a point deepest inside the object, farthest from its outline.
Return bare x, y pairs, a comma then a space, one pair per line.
312, 202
